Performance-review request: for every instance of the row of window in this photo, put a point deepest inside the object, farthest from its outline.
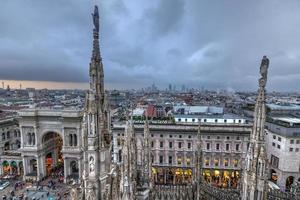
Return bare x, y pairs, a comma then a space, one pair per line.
207, 161
7, 135
227, 138
170, 160
205, 120
216, 162
161, 135
292, 141
171, 136
279, 147
278, 138
227, 147
296, 149
274, 145
189, 136
180, 145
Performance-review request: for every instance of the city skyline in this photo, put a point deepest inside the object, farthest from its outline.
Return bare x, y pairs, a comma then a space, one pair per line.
179, 42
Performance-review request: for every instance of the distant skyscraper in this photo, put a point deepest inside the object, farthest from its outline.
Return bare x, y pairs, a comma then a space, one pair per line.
183, 88
170, 87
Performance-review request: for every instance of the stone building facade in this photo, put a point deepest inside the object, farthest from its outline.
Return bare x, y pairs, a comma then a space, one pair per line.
173, 149
49, 139
10, 142
283, 144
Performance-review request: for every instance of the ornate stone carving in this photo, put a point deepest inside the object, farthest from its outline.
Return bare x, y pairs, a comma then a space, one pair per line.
92, 164
91, 195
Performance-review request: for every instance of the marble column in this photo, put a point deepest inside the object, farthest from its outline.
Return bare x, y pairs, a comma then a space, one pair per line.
39, 168
165, 176
22, 136
79, 169
18, 168
65, 170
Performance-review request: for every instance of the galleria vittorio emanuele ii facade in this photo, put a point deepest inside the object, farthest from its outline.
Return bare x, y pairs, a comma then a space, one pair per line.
122, 162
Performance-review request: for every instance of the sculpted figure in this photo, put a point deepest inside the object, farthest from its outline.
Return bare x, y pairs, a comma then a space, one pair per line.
96, 18
264, 67
91, 194
92, 164
74, 194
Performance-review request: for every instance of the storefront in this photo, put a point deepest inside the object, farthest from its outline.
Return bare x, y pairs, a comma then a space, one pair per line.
11, 167
222, 178
172, 175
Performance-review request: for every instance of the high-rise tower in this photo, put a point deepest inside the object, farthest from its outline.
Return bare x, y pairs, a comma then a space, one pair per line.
254, 176
95, 128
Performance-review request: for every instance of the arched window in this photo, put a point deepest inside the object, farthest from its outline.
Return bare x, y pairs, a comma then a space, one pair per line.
8, 135
33, 138
3, 136
74, 140
71, 140
120, 155
29, 138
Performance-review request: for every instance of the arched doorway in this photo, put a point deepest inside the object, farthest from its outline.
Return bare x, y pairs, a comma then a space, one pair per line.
74, 170
289, 182
49, 163
52, 144
5, 167
14, 168
33, 167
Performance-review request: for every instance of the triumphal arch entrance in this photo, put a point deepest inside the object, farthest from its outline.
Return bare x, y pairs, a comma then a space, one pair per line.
50, 143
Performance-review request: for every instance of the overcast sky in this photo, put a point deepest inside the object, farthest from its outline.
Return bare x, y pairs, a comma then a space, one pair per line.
210, 43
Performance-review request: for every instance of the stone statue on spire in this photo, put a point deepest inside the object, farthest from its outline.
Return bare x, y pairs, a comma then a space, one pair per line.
96, 18
264, 71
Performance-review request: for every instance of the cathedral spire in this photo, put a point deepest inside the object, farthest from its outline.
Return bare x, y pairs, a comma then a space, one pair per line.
96, 155
129, 159
254, 184
96, 66
146, 155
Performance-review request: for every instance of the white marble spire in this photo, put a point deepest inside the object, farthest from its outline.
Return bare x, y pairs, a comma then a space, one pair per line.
254, 176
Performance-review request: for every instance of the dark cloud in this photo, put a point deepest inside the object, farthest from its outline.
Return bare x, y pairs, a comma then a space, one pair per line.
215, 44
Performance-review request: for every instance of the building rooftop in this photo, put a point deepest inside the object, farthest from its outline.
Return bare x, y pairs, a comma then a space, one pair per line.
291, 120
210, 116
283, 107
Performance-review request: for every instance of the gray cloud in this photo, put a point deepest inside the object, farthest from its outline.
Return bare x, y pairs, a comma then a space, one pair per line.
215, 44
